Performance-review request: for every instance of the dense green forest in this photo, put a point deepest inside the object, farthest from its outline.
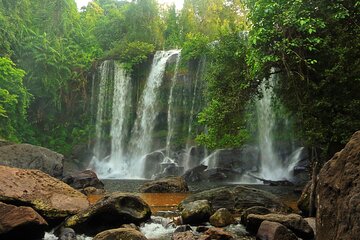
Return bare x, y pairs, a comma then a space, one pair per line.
48, 50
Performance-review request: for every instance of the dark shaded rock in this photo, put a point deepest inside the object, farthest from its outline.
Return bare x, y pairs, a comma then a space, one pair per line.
50, 197
165, 185
294, 222
195, 174
221, 218
110, 212
202, 229
196, 212
304, 201
253, 210
183, 228
152, 164
216, 233
28, 156
237, 199
20, 223
274, 231
84, 179
183, 236
196, 155
67, 234
120, 234
338, 194
220, 174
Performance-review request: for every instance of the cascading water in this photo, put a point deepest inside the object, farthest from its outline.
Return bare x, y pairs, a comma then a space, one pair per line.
273, 167
141, 140
116, 164
171, 116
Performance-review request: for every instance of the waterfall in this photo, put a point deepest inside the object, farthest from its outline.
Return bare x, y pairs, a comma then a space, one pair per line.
148, 110
273, 166
171, 116
114, 165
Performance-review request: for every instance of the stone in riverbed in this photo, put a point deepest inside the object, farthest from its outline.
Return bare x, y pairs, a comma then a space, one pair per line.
20, 223
294, 222
216, 233
188, 235
253, 210
120, 234
67, 234
221, 218
84, 179
28, 156
304, 201
338, 194
110, 212
274, 231
165, 185
196, 212
237, 199
49, 196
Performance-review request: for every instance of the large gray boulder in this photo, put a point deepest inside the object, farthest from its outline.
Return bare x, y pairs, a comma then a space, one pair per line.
84, 179
338, 194
110, 212
237, 199
28, 156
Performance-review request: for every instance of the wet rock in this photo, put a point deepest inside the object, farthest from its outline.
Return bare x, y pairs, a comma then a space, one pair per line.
338, 194
195, 174
294, 222
131, 225
253, 210
304, 201
28, 156
237, 199
312, 223
165, 185
88, 191
202, 229
50, 197
196, 212
221, 218
274, 231
220, 174
216, 233
67, 234
152, 163
120, 234
183, 228
183, 236
84, 179
196, 155
20, 223
110, 212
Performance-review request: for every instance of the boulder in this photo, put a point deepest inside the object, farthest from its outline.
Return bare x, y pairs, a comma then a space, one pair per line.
20, 223
110, 212
67, 234
165, 185
195, 174
274, 231
304, 201
183, 228
188, 235
216, 233
152, 163
237, 199
84, 179
312, 223
221, 218
253, 210
120, 234
338, 194
221, 174
294, 222
196, 212
50, 197
195, 156
28, 156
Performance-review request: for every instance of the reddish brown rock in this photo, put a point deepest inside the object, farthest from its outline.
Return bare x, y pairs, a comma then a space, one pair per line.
47, 195
338, 194
216, 233
274, 231
183, 236
20, 223
120, 234
165, 185
292, 221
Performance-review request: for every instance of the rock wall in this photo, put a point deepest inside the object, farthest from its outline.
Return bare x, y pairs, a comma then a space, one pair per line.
338, 194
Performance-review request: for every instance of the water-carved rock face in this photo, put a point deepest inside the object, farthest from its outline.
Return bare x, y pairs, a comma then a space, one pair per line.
49, 196
338, 194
